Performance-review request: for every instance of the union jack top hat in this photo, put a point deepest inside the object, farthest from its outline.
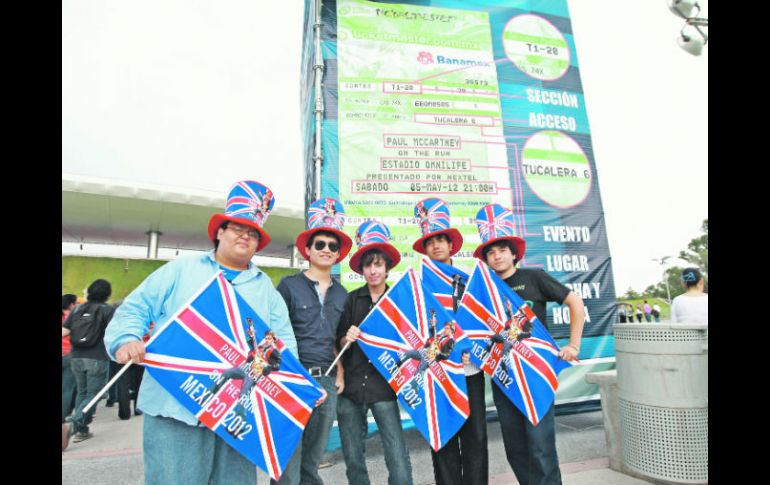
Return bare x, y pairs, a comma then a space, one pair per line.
432, 215
249, 203
325, 215
373, 235
495, 223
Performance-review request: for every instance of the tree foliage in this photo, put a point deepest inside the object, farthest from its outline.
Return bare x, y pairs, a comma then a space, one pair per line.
697, 254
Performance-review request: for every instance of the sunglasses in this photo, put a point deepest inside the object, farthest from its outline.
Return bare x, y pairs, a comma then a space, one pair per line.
320, 245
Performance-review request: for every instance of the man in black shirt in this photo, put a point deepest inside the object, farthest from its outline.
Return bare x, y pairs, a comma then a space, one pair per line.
315, 301
530, 450
365, 389
90, 363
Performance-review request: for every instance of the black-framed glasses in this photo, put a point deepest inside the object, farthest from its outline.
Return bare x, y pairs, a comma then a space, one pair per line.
320, 245
241, 230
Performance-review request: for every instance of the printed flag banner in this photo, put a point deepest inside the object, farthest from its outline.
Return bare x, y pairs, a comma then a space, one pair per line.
225, 365
444, 282
417, 346
509, 343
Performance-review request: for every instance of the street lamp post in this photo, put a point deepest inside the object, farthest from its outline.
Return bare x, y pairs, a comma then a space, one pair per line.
665, 276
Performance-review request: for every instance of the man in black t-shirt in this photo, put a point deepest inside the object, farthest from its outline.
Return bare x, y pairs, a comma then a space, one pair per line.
90, 363
530, 450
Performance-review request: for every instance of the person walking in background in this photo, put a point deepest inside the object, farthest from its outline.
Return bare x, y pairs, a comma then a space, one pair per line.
692, 306
656, 312
647, 312
68, 386
639, 312
90, 364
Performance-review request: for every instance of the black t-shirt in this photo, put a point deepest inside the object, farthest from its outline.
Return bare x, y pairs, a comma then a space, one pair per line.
536, 288
363, 382
104, 312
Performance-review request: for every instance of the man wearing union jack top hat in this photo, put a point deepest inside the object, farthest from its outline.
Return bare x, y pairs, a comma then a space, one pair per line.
315, 301
177, 448
464, 459
530, 450
365, 389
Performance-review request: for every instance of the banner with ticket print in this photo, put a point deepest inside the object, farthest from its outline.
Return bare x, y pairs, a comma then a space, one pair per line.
225, 365
417, 346
510, 344
473, 102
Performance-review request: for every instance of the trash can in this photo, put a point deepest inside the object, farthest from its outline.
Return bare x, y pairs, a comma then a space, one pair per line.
663, 400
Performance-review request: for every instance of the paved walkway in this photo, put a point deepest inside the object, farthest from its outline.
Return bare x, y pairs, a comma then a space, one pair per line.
114, 455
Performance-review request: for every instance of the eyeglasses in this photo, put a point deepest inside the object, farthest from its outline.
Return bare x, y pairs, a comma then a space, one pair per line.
320, 245
240, 231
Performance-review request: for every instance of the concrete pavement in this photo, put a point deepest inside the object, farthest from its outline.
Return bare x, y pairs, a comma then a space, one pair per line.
114, 455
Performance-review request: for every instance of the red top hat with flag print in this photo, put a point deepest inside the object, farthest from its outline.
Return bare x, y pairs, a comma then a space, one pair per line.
432, 215
373, 235
495, 223
325, 215
249, 203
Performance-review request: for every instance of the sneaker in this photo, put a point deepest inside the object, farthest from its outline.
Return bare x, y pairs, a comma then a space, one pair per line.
138, 412
109, 403
81, 436
66, 433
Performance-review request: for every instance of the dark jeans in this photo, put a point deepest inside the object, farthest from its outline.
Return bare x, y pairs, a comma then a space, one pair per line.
303, 466
90, 376
531, 450
112, 393
68, 387
353, 426
464, 459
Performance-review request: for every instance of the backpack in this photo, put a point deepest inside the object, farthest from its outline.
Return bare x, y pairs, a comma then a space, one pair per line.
85, 327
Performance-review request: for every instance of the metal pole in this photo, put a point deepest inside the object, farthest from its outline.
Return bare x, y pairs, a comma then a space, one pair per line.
662, 262
152, 244
318, 69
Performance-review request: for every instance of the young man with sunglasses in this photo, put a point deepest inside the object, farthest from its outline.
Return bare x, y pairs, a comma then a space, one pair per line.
315, 301
177, 447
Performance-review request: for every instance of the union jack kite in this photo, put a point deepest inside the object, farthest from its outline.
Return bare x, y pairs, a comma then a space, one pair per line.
443, 281
509, 343
222, 363
417, 347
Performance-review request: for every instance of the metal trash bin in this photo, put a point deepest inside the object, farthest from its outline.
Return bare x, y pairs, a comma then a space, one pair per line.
663, 399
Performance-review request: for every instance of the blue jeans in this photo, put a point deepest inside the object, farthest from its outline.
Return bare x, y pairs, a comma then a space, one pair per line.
176, 453
68, 387
90, 377
303, 466
353, 426
531, 450
464, 459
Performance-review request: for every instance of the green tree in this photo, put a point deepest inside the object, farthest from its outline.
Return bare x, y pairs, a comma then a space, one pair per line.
631, 295
673, 275
697, 252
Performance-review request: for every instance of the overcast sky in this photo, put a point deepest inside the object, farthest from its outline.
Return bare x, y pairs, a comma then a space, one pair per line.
200, 94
